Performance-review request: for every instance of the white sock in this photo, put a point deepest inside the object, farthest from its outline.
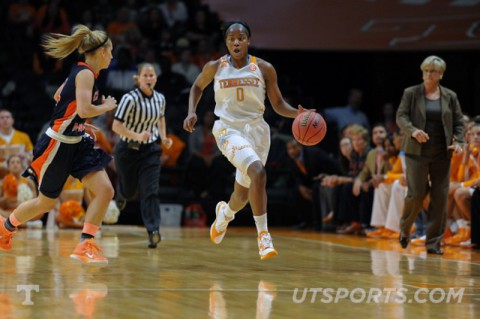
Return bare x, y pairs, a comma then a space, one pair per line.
229, 213
261, 223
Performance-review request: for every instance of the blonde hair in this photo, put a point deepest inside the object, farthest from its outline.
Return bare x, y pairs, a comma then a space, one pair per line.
360, 130
82, 39
437, 62
142, 66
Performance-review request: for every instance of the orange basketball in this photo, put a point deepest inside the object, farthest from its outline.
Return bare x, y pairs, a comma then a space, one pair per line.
309, 128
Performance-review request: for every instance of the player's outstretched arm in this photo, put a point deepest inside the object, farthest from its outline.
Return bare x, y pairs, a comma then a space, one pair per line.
273, 91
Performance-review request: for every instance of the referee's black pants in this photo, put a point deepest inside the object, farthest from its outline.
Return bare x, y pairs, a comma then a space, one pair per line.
140, 170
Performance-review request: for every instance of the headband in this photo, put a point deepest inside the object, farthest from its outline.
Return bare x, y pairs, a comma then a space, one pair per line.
243, 24
98, 46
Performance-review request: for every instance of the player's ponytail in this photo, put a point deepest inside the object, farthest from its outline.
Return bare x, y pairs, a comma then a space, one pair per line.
85, 40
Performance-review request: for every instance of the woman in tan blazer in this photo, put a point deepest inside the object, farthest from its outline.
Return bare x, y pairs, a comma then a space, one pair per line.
431, 117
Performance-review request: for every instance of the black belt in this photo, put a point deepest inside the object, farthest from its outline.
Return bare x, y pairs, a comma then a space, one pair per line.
133, 146
137, 145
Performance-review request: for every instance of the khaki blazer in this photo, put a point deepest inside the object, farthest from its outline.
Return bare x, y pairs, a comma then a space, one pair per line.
370, 167
411, 115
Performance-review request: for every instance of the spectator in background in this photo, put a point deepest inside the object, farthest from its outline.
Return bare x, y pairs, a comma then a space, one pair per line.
386, 189
350, 207
15, 188
119, 28
103, 11
369, 178
52, 18
389, 118
205, 52
170, 156
145, 52
167, 46
153, 25
175, 13
186, 67
349, 114
206, 163
309, 165
470, 170
69, 211
172, 84
21, 15
13, 141
49, 70
121, 73
199, 29
89, 20
331, 184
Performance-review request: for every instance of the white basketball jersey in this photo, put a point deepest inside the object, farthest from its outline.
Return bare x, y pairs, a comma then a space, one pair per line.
239, 93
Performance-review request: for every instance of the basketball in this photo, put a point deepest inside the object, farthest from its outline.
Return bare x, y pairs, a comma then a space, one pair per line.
309, 128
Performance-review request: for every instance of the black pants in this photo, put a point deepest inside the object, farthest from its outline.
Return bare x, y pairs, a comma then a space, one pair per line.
475, 226
421, 169
139, 170
353, 208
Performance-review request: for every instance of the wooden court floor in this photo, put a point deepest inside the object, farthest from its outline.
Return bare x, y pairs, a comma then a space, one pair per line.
314, 276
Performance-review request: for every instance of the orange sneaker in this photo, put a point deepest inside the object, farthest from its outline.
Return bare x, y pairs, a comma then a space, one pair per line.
219, 226
462, 235
420, 241
88, 252
390, 234
5, 236
265, 246
448, 233
377, 233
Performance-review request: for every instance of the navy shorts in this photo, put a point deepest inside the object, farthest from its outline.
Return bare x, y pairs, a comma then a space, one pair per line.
53, 161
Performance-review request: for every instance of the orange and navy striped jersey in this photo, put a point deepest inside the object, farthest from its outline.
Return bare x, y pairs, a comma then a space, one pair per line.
65, 119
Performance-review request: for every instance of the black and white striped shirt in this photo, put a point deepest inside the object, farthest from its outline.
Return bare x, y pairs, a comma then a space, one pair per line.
140, 113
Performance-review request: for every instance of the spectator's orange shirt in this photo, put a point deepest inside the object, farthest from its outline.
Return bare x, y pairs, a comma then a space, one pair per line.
173, 153
396, 172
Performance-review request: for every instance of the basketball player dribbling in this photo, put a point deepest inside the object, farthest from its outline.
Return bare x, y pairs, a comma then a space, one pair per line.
241, 133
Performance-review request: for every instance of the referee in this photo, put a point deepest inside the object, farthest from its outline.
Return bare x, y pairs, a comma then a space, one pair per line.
140, 122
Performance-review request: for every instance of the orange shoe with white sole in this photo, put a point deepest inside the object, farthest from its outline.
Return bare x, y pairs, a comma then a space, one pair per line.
265, 246
420, 241
219, 226
377, 233
5, 236
88, 252
390, 234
